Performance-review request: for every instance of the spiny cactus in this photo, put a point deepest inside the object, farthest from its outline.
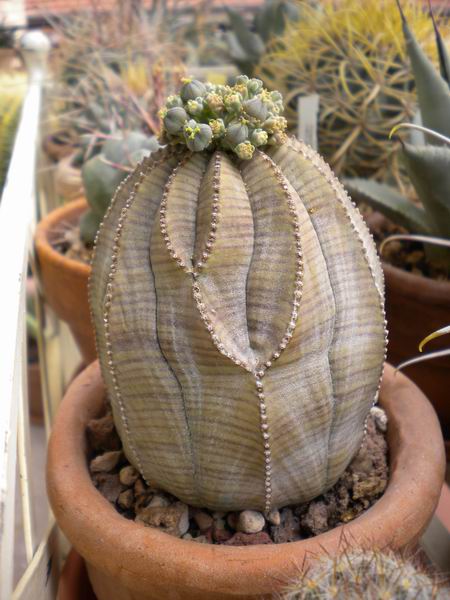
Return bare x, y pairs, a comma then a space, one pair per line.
102, 173
350, 53
427, 164
238, 307
247, 44
366, 574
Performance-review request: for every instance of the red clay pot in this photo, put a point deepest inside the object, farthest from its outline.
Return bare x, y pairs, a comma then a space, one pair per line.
415, 307
65, 281
127, 561
73, 582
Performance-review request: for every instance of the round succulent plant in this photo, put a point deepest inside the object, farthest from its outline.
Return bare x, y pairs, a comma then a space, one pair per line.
238, 305
238, 118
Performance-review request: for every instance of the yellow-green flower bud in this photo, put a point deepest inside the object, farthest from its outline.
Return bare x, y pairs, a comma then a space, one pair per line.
197, 135
259, 137
233, 102
194, 107
174, 120
174, 101
278, 138
236, 133
242, 79
214, 102
242, 90
276, 97
192, 90
256, 108
254, 86
245, 150
275, 124
217, 127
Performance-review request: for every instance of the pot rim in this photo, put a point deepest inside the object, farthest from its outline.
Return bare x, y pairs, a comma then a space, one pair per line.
45, 250
144, 554
434, 291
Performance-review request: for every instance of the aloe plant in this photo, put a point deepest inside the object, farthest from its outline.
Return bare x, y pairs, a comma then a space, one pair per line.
102, 173
238, 305
428, 163
247, 44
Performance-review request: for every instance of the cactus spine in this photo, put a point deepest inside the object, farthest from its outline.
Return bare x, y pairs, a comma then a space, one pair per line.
366, 574
238, 306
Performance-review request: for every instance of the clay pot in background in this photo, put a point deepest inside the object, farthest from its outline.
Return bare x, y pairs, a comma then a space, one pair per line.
65, 281
58, 145
416, 306
73, 582
68, 182
126, 560
35, 405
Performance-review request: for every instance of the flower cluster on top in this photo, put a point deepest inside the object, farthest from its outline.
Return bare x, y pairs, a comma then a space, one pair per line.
238, 118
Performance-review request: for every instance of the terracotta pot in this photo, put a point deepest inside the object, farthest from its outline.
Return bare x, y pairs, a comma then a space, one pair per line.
68, 182
415, 307
128, 561
73, 582
65, 281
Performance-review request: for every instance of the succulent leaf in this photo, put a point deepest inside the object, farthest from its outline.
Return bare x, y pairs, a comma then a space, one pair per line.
432, 90
444, 57
429, 170
387, 200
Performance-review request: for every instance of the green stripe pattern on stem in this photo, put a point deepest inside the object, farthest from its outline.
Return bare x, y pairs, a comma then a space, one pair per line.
238, 308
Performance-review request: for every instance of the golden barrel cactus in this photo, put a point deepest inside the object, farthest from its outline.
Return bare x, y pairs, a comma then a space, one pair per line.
352, 54
238, 305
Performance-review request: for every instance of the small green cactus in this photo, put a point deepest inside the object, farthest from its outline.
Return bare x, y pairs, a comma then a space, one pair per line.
362, 574
102, 173
427, 164
238, 306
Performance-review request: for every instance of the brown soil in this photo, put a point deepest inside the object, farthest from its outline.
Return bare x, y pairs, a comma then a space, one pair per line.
408, 256
361, 485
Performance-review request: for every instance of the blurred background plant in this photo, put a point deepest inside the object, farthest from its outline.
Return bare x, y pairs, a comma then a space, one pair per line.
113, 69
247, 41
352, 54
12, 89
426, 162
102, 173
